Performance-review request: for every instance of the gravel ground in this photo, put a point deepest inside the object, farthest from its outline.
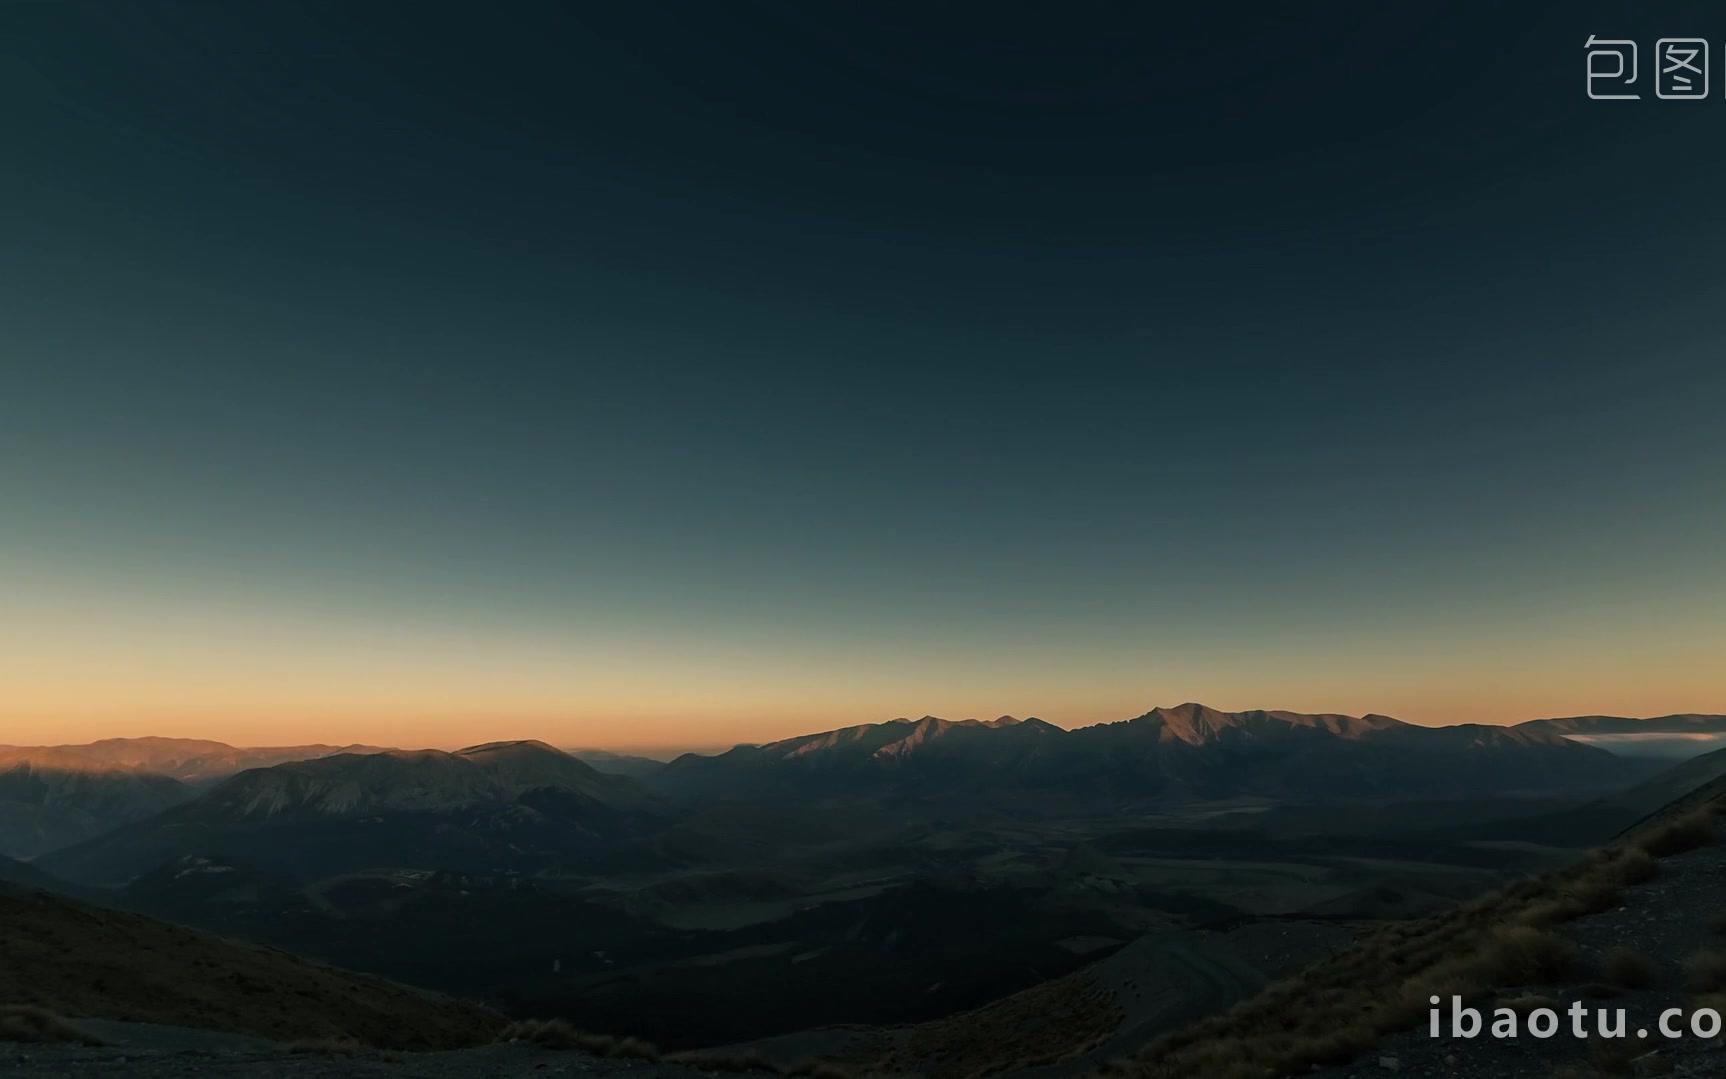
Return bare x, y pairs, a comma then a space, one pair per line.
148, 1051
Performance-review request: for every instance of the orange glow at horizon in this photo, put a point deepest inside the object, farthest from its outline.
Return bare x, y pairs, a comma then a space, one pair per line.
81, 661
390, 720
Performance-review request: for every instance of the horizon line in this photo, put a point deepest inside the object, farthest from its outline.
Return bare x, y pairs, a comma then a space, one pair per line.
670, 749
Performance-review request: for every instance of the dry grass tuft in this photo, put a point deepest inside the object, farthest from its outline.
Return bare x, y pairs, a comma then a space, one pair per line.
1705, 972
1692, 830
557, 1034
1526, 1003
634, 1049
1334, 1047
1716, 1001
1498, 946
710, 1060
751, 1061
1524, 955
1635, 866
328, 1046
1589, 895
1613, 1060
1628, 969
1333, 1011
24, 1023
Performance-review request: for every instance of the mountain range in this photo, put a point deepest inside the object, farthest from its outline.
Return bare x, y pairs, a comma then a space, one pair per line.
55, 796
502, 805
192, 761
1678, 723
883, 873
622, 764
43, 809
1186, 752
1675, 736
106, 809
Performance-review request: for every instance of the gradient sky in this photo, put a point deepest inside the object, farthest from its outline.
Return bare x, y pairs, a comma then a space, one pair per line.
653, 375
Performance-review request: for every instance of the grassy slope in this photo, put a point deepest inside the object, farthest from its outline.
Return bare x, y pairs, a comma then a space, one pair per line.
82, 960
1337, 1009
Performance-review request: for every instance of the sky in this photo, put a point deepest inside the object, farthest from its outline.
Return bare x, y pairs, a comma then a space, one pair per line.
682, 374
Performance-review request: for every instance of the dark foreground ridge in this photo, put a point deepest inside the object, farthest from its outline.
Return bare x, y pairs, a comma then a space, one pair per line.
156, 1052
75, 959
1637, 924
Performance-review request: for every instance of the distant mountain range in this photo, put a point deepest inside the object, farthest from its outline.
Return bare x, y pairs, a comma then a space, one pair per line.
1187, 752
43, 809
503, 805
169, 797
54, 796
189, 760
1679, 723
1676, 736
619, 764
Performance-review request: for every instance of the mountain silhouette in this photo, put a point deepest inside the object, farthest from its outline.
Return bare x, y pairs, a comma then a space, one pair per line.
496, 806
189, 760
1189, 751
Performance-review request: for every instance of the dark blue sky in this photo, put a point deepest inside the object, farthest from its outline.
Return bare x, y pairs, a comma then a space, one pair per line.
681, 373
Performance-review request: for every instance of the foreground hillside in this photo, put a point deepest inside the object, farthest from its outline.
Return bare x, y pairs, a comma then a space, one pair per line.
155, 1053
79, 960
89, 991
1636, 925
